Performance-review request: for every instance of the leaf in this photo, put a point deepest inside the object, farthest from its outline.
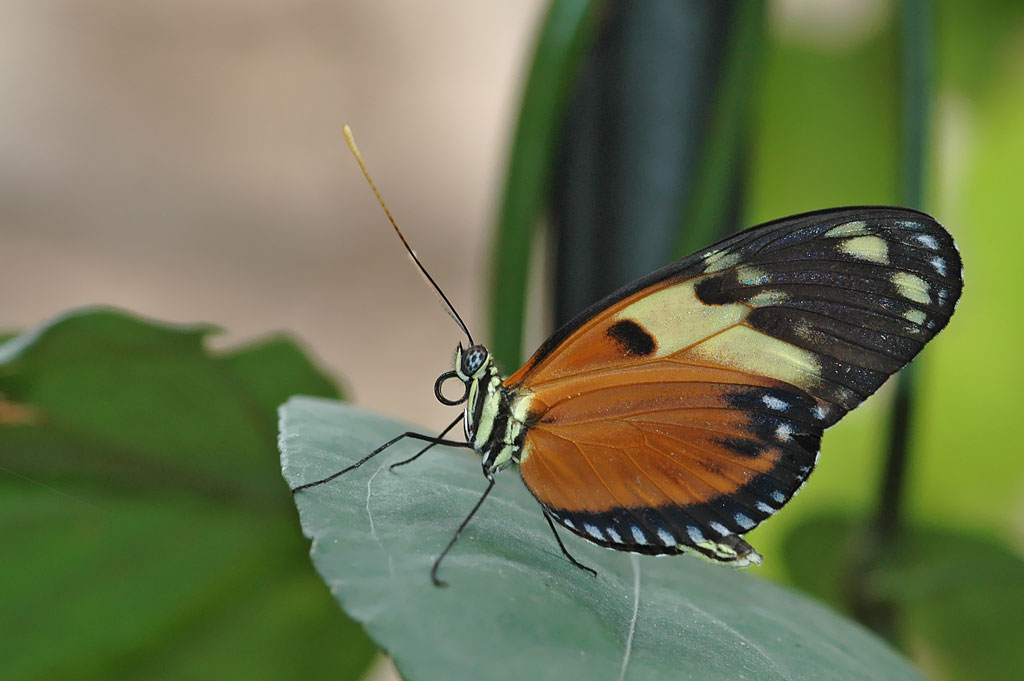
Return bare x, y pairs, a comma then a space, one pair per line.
515, 608
958, 595
147, 533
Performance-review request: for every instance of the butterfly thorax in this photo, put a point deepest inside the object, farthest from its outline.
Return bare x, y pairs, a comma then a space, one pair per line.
492, 423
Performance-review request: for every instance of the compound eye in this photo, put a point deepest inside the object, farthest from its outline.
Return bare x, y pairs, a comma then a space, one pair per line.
473, 359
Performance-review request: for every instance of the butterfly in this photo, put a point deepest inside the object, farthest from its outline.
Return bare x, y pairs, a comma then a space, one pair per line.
684, 409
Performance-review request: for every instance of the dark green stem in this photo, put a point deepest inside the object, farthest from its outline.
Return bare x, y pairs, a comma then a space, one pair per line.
916, 66
915, 42
709, 208
561, 45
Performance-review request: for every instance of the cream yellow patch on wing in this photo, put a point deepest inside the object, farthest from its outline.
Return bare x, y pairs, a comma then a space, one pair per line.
912, 287
855, 228
750, 276
915, 315
716, 261
871, 248
721, 550
766, 298
748, 350
677, 319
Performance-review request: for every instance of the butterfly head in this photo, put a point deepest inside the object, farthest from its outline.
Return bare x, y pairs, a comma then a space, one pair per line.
472, 366
471, 363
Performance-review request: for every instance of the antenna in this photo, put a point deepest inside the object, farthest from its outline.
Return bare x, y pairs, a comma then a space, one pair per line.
445, 303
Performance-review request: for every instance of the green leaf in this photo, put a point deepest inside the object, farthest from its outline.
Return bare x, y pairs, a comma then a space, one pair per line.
147, 531
515, 607
957, 595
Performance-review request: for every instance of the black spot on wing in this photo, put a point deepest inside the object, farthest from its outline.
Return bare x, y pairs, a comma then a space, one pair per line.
721, 289
632, 338
748, 447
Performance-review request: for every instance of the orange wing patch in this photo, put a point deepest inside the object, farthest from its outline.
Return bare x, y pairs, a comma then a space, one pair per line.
664, 457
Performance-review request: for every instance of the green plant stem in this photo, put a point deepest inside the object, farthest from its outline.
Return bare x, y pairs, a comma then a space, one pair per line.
564, 38
916, 50
916, 53
709, 209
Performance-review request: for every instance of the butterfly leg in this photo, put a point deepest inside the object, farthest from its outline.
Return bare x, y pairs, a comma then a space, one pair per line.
424, 450
462, 526
414, 436
565, 551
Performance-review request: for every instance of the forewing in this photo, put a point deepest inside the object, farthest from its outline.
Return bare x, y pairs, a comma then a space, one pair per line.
685, 409
832, 303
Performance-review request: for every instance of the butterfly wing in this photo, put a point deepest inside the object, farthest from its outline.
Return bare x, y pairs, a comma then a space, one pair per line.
683, 410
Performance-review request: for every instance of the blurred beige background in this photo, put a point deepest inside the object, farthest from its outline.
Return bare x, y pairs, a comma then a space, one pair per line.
184, 159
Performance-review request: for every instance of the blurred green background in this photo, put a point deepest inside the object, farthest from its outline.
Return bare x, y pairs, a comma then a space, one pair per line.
184, 160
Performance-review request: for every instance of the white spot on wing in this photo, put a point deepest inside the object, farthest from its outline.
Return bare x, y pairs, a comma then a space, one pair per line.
666, 538
784, 432
744, 521
939, 264
719, 528
613, 535
820, 413
927, 240
592, 531
775, 403
695, 535
765, 508
638, 535
778, 497
568, 523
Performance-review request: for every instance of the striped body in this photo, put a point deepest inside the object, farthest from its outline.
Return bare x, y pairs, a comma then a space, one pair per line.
495, 418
